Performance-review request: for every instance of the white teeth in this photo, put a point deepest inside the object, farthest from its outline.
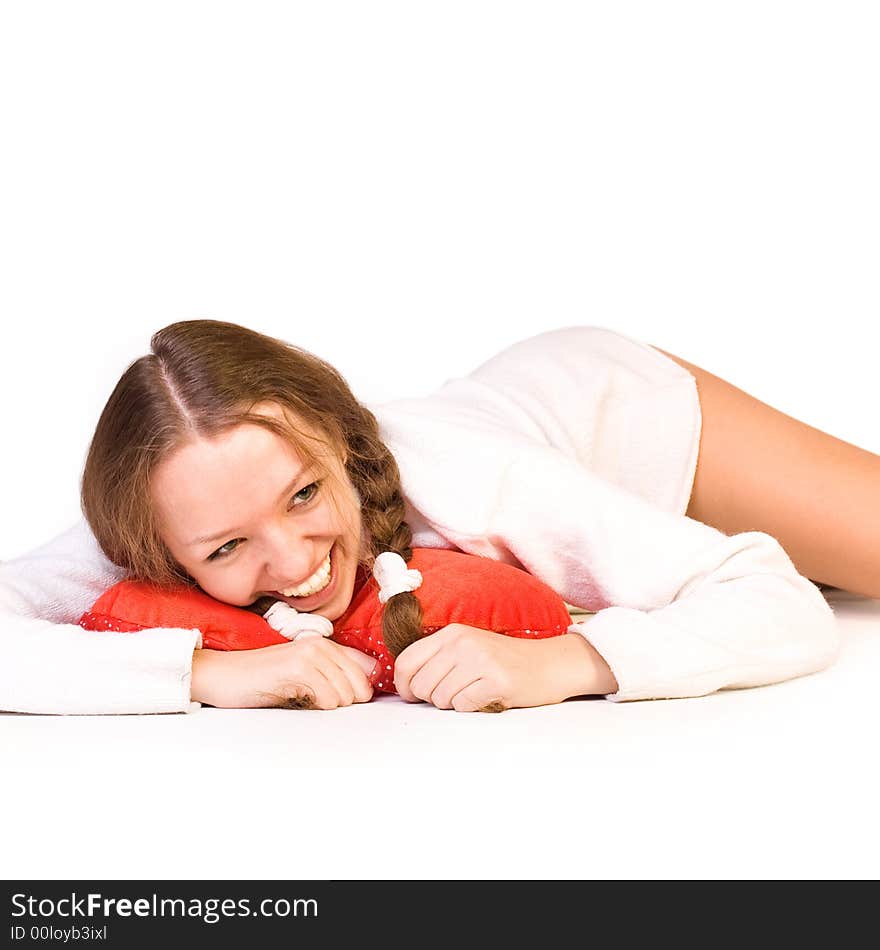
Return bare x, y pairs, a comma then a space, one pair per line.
318, 581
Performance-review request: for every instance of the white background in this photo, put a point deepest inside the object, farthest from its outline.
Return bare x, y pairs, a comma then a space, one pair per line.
405, 188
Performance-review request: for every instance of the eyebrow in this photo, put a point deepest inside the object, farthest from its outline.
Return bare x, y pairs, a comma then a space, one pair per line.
225, 534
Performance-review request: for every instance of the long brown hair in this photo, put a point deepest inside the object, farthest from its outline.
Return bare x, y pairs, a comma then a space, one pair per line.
201, 378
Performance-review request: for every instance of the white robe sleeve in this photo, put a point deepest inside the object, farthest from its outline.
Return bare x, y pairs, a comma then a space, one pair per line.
681, 608
49, 664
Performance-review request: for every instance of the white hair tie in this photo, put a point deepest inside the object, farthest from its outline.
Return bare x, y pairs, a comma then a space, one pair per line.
290, 623
393, 576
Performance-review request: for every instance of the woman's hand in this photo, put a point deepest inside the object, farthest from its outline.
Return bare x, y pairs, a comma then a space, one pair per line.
472, 670
311, 673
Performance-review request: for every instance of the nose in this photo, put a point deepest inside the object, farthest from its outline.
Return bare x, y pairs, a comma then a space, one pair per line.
288, 560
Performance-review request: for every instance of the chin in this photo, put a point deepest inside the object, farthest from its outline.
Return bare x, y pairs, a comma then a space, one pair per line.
337, 607
330, 612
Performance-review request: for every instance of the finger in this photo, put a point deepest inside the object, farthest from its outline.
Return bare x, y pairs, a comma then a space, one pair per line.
358, 668
410, 661
478, 697
338, 679
320, 659
453, 684
428, 679
362, 660
315, 665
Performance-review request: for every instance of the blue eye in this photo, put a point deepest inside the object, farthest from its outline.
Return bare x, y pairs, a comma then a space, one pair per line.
311, 491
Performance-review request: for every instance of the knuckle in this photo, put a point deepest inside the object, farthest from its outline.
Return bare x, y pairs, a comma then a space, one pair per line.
450, 633
309, 648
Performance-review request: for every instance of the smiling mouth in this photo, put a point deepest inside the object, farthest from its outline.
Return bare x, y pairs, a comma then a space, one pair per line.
324, 581
316, 582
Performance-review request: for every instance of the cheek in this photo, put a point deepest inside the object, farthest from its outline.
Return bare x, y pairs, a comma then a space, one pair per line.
226, 584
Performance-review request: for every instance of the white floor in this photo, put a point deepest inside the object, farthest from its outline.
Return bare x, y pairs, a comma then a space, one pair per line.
776, 782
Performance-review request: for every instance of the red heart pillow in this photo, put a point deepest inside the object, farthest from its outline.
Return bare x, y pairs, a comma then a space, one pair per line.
456, 588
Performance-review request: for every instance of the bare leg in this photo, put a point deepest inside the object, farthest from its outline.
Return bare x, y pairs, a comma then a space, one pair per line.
761, 470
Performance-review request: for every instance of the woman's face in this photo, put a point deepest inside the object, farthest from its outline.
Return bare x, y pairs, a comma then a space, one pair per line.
245, 519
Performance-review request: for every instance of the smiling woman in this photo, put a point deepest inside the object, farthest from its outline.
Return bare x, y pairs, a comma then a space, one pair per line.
229, 460
240, 463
